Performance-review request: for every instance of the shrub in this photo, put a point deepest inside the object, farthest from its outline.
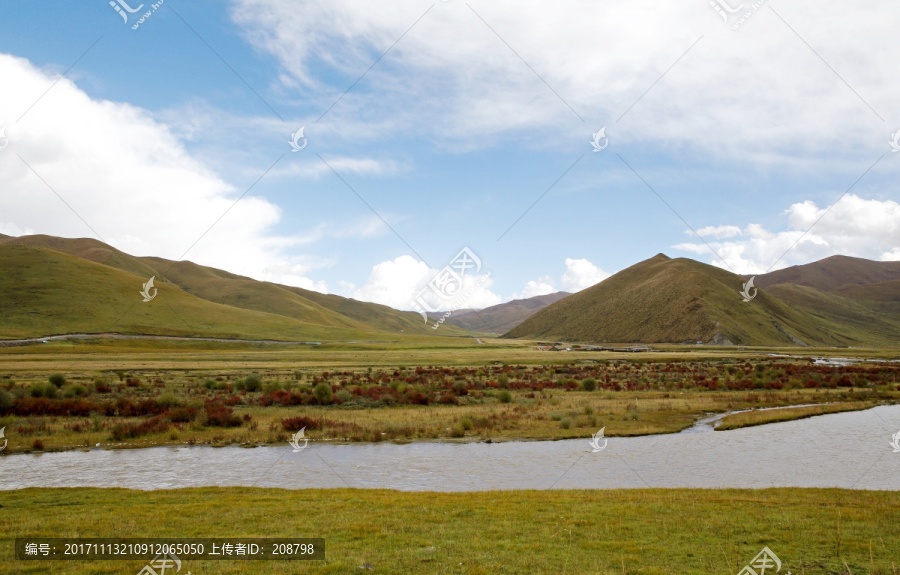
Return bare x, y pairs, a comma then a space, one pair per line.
167, 400
504, 396
75, 390
182, 414
221, 416
210, 384
38, 445
251, 383
156, 424
460, 388
503, 381
589, 384
344, 395
5, 400
57, 379
323, 393
299, 422
43, 390
272, 386
566, 423
466, 423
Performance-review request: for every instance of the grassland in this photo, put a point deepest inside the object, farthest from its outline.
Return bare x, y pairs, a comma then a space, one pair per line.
751, 418
652, 532
139, 393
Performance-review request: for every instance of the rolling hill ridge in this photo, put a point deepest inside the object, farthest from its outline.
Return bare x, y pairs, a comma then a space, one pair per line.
664, 300
54, 285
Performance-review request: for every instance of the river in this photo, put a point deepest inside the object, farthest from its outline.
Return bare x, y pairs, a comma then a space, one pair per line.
847, 450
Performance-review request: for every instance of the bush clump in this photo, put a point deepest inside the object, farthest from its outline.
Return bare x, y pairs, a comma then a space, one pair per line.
323, 393
251, 383
299, 422
221, 416
589, 384
504, 396
75, 390
57, 379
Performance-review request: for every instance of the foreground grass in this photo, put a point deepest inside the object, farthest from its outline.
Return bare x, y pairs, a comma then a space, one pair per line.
598, 532
751, 418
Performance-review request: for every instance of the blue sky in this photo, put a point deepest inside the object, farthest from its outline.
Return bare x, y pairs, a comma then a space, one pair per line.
747, 136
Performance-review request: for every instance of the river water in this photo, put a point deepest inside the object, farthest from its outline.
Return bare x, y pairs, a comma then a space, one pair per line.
848, 450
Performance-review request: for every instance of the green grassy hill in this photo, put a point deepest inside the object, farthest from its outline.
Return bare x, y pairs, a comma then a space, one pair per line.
680, 300
833, 273
862, 321
221, 287
45, 292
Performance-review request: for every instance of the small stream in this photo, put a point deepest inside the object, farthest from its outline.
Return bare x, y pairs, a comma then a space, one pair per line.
848, 450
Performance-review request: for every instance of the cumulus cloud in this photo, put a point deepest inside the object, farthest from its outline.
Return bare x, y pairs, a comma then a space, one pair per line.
854, 226
397, 282
580, 274
542, 286
80, 167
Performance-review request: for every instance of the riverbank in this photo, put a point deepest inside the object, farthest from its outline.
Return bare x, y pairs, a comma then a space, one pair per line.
78, 408
812, 531
763, 417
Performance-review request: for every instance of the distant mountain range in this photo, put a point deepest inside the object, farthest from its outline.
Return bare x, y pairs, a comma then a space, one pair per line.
837, 301
501, 318
51, 285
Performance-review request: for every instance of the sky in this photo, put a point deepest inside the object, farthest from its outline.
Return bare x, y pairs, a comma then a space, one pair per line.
357, 148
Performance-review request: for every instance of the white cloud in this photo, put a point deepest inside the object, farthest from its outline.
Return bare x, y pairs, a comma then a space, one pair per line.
397, 282
131, 180
10, 229
853, 227
600, 58
542, 286
581, 274
316, 168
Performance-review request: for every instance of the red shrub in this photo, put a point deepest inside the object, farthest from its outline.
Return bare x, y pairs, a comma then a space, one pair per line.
299, 422
221, 416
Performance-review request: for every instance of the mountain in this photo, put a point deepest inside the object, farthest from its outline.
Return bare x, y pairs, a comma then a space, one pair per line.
833, 273
861, 294
60, 285
502, 317
680, 300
